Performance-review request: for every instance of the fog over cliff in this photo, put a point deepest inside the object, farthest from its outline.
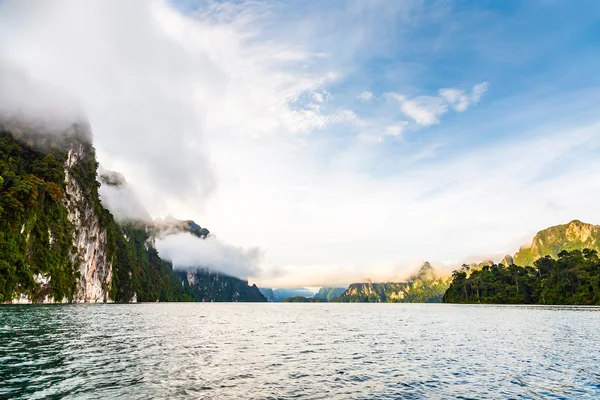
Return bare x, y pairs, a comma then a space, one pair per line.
46, 109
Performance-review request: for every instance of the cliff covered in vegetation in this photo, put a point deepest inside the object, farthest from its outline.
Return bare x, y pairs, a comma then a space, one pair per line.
575, 235
572, 278
423, 287
58, 243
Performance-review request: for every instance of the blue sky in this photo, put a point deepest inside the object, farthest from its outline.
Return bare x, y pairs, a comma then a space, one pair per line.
327, 142
537, 57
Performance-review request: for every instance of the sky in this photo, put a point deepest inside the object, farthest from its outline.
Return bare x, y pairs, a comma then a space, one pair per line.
331, 142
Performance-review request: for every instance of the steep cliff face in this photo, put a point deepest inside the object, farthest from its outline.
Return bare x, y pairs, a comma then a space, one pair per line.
90, 257
575, 235
53, 240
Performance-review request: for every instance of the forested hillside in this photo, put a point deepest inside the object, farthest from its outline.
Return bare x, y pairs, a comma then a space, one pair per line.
572, 278
423, 287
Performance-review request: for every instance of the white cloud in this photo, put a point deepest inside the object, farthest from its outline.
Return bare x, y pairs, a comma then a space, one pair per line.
121, 200
456, 98
365, 96
143, 72
424, 110
185, 251
459, 100
427, 110
321, 96
396, 129
478, 91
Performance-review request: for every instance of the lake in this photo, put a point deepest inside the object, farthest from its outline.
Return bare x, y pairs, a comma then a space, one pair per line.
308, 351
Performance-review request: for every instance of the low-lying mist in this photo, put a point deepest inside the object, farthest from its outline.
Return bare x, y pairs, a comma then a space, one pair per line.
119, 197
183, 249
187, 251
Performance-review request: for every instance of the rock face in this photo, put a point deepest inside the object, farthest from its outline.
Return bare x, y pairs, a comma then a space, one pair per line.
53, 234
508, 260
575, 235
95, 271
204, 285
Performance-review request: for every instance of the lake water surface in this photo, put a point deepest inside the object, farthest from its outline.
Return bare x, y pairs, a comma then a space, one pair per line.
312, 351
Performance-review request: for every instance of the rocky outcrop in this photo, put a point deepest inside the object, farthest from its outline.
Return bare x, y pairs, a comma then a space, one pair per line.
575, 235
508, 260
95, 271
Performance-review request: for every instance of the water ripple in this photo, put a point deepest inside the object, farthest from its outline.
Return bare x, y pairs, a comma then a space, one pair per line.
289, 351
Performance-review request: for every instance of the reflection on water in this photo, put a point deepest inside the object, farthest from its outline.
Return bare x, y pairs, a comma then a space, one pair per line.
313, 351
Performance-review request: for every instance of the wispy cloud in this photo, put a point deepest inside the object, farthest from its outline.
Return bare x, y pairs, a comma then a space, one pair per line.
427, 110
459, 100
396, 129
365, 96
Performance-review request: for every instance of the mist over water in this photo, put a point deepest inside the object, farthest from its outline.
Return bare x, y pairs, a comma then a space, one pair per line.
282, 351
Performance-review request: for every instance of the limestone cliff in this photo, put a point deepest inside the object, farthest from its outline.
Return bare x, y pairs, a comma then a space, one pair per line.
575, 235
49, 200
90, 257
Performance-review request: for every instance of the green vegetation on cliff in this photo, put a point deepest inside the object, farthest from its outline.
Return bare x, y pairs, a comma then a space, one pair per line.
35, 233
575, 235
572, 278
424, 287
388, 292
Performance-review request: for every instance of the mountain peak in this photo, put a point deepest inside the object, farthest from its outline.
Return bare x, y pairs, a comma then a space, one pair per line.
575, 235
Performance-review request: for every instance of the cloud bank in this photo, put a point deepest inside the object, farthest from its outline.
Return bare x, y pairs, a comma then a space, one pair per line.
186, 251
